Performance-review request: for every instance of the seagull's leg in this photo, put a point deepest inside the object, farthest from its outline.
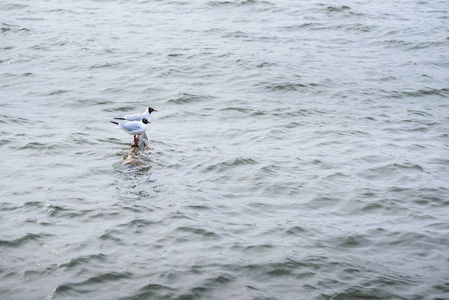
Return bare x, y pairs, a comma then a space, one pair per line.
135, 141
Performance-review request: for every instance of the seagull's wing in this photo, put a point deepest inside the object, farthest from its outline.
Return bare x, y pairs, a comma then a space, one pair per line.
133, 117
131, 127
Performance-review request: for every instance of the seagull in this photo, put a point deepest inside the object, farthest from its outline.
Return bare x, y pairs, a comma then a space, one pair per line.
135, 128
137, 117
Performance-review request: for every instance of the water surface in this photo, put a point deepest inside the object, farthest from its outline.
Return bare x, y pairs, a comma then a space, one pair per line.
299, 151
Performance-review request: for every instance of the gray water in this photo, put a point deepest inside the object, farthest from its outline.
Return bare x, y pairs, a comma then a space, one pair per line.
300, 150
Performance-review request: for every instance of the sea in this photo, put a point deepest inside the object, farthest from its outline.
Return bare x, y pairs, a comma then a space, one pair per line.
300, 149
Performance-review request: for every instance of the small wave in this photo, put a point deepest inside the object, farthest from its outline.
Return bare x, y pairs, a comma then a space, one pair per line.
307, 25
235, 162
175, 54
58, 92
419, 113
420, 93
14, 120
410, 239
80, 138
287, 86
60, 211
7, 28
138, 223
104, 66
238, 3
378, 205
257, 249
411, 45
237, 34
83, 260
430, 198
4, 142
128, 108
38, 146
155, 291
205, 234
107, 236
393, 172
347, 241
265, 64
355, 27
90, 285
238, 109
186, 98
14, 6
37, 221
29, 237
335, 8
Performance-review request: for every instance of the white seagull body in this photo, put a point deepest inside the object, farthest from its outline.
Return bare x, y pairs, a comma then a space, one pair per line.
134, 127
138, 117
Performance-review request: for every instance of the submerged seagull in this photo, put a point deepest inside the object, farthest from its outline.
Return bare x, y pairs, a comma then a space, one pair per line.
137, 117
135, 128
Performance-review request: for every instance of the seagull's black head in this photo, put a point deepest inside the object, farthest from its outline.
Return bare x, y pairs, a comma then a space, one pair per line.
145, 121
150, 109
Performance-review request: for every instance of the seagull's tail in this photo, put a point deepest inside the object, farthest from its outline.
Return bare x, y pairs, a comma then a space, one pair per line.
116, 123
119, 118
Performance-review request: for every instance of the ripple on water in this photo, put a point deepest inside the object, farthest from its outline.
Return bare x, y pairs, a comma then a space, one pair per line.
84, 260
187, 98
90, 285
154, 291
45, 148
9, 28
419, 93
18, 242
223, 167
394, 172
